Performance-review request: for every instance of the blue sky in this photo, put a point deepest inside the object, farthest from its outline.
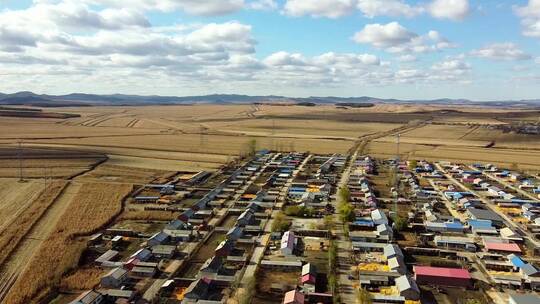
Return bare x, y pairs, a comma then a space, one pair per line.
482, 50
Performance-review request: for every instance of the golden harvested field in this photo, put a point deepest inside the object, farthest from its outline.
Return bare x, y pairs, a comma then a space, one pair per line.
193, 147
301, 128
16, 197
460, 135
204, 137
524, 158
15, 229
82, 279
45, 162
93, 206
112, 173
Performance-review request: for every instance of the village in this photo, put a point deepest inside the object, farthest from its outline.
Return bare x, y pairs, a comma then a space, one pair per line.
294, 228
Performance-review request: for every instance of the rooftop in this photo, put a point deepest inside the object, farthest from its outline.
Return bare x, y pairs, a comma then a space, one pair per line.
442, 272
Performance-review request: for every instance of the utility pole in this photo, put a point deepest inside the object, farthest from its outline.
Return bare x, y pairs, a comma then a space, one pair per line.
19, 156
201, 137
273, 135
397, 177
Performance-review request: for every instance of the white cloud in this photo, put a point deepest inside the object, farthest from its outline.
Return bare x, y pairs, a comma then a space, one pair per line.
328, 69
72, 15
350, 60
449, 9
285, 59
537, 60
451, 65
264, 5
394, 8
384, 35
530, 18
91, 41
441, 9
395, 38
194, 7
319, 8
501, 51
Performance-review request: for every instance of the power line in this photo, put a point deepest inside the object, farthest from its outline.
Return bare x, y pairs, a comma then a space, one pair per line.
397, 176
19, 156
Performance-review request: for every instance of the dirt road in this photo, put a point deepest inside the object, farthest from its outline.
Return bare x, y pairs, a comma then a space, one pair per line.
15, 264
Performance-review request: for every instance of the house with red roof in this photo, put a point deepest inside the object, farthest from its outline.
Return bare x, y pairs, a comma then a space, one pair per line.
442, 276
308, 280
503, 248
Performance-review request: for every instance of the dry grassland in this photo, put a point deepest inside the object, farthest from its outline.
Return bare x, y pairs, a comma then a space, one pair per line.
40, 168
301, 128
93, 207
169, 137
113, 173
501, 156
193, 147
161, 164
15, 197
460, 135
82, 279
27, 129
40, 163
18, 227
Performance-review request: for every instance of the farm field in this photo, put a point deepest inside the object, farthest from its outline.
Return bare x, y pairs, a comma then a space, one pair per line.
526, 159
301, 128
113, 173
93, 206
468, 135
16, 197
204, 137
16, 228
45, 162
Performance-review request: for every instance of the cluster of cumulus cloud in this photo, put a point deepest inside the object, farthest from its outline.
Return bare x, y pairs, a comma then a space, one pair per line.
113, 42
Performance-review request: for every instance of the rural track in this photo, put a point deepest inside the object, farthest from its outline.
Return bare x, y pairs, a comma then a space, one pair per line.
15, 264
166, 124
469, 132
6, 282
23, 208
132, 123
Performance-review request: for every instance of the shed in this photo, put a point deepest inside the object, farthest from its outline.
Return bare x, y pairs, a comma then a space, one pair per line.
114, 278
294, 297
379, 217
88, 297
158, 238
224, 248
288, 243
392, 250
143, 271
164, 251
407, 288
484, 214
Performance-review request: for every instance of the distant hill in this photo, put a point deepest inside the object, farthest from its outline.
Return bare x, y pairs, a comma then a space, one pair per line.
81, 99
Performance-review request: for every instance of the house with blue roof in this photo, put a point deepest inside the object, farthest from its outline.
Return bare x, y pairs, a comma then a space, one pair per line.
449, 226
516, 261
482, 227
364, 222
